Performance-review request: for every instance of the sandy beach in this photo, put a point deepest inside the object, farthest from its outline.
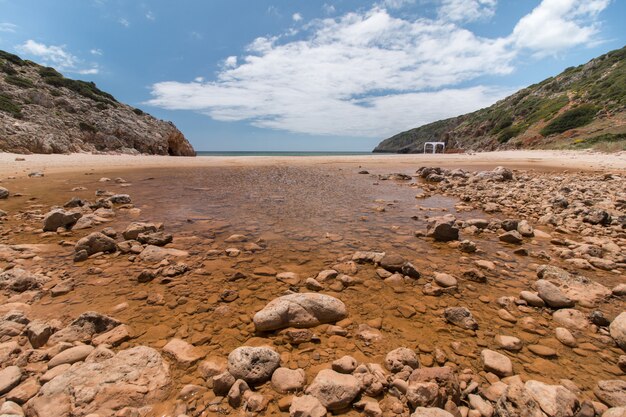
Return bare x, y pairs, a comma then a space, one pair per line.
570, 160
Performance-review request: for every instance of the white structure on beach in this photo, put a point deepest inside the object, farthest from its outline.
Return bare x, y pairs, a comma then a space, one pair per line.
434, 145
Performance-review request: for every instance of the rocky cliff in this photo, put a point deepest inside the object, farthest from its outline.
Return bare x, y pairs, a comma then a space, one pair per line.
583, 107
41, 111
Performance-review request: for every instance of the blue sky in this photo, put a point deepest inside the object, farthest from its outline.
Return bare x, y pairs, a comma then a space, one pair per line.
308, 74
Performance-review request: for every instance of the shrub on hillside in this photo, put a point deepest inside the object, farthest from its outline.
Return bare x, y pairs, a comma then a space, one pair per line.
571, 119
19, 81
7, 105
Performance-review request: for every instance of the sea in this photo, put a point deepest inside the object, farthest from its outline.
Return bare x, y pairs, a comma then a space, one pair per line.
277, 153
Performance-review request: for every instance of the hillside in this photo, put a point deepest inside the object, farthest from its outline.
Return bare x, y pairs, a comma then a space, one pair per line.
41, 111
583, 107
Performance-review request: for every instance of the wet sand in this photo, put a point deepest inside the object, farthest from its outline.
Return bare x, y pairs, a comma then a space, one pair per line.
304, 215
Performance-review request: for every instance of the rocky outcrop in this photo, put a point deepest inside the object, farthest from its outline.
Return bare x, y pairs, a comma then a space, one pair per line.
43, 112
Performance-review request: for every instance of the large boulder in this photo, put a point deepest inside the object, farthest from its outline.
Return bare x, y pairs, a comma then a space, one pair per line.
131, 378
577, 287
94, 243
59, 218
254, 365
618, 330
334, 390
299, 310
612, 392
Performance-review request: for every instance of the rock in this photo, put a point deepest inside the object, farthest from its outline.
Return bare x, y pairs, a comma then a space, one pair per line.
236, 392
131, 378
368, 257
9, 378
254, 365
565, 337
84, 328
372, 379
71, 355
478, 403
517, 402
577, 287
19, 280
345, 365
183, 353
155, 254
306, 406
285, 380
525, 229
299, 310
156, 238
23, 392
615, 412
509, 343
399, 358
552, 295
119, 199
430, 412
442, 229
571, 318
496, 362
461, 317
445, 280
38, 333
334, 390
443, 388
4, 193
11, 409
618, 330
596, 216
619, 290
532, 299
396, 263
513, 237
134, 229
114, 337
222, 383
554, 400
611, 392
59, 218
94, 243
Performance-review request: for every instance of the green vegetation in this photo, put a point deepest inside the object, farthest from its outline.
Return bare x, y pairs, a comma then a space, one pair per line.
510, 132
7, 105
606, 139
87, 127
84, 88
19, 81
8, 69
14, 59
573, 118
138, 112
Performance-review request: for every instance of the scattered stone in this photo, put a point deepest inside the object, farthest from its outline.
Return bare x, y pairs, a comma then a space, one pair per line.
399, 358
611, 392
552, 295
618, 330
306, 406
9, 378
94, 243
183, 353
59, 218
443, 229
496, 362
71, 355
345, 365
512, 236
285, 380
445, 280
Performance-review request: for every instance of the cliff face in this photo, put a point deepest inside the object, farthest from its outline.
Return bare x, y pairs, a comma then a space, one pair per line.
583, 107
43, 112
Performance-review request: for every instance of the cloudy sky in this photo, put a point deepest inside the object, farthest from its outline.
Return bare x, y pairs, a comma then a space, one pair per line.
309, 74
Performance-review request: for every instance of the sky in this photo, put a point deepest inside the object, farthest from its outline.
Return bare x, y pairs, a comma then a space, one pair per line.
309, 75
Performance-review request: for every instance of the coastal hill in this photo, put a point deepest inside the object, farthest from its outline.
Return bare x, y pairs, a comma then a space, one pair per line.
41, 111
583, 107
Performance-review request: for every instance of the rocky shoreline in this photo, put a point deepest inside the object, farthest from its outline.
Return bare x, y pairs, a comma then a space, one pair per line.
501, 295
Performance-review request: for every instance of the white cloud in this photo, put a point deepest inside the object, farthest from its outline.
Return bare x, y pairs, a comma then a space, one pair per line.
96, 52
199, 79
230, 62
8, 27
467, 10
328, 8
556, 25
296, 17
55, 56
395, 4
124, 22
366, 74
150, 15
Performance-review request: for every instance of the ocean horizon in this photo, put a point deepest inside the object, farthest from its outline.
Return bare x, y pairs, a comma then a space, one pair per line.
279, 153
